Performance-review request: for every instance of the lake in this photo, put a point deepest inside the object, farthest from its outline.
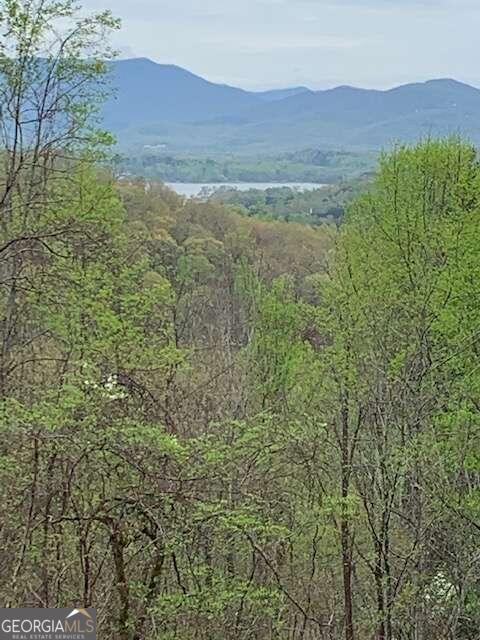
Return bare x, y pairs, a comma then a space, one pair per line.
191, 190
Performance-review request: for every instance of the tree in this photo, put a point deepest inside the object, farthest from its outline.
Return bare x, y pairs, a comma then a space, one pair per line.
51, 70
398, 289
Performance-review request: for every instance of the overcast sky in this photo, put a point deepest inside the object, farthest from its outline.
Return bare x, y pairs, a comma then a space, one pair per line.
259, 44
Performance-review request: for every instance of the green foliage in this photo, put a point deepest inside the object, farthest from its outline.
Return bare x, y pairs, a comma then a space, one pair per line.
52, 70
226, 427
402, 332
325, 204
310, 165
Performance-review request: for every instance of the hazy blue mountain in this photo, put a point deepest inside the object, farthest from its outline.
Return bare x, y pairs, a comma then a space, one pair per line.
169, 106
148, 92
352, 106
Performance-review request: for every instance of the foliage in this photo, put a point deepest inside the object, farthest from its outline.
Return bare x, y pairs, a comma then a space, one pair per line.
216, 426
325, 204
310, 165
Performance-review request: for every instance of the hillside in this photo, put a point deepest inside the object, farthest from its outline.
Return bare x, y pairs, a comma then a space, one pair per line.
169, 106
149, 92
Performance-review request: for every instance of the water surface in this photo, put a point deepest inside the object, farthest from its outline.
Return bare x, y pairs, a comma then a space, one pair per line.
191, 189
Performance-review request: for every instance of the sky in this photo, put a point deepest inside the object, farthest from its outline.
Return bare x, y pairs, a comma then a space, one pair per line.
263, 44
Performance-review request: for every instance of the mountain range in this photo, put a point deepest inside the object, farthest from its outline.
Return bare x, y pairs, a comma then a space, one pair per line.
170, 107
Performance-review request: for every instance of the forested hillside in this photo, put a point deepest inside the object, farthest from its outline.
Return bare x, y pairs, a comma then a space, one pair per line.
307, 165
159, 104
326, 204
217, 427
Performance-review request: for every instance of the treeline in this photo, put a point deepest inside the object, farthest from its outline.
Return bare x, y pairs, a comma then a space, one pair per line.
307, 166
219, 427
315, 207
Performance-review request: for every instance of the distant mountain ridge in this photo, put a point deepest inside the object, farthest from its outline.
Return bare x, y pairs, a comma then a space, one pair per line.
147, 91
167, 105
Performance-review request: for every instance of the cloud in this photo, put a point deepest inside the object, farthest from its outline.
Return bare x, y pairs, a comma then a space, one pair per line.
374, 43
